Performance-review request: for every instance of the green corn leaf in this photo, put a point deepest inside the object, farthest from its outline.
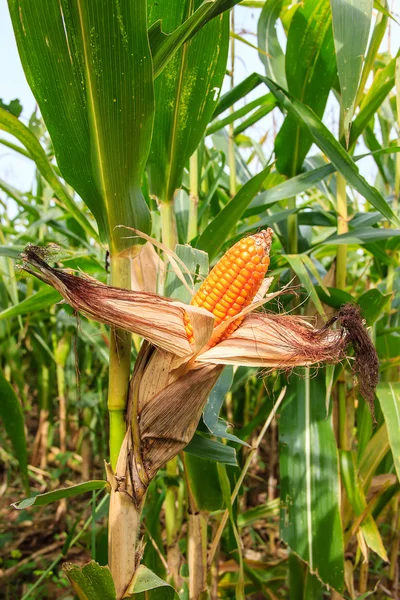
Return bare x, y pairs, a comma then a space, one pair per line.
89, 67
14, 107
263, 512
379, 5
212, 450
363, 235
45, 297
165, 45
237, 93
56, 495
13, 126
19, 198
309, 473
215, 234
373, 49
336, 297
304, 584
186, 94
300, 264
203, 483
196, 262
333, 149
272, 56
226, 492
301, 183
217, 426
270, 220
13, 422
372, 303
358, 502
11, 251
351, 27
144, 581
310, 72
237, 114
374, 452
287, 189
381, 86
258, 114
389, 400
91, 582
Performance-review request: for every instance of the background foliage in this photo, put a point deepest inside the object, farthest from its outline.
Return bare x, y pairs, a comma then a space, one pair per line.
307, 144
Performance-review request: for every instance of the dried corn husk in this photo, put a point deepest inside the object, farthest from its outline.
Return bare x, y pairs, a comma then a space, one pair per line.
278, 341
148, 270
168, 421
157, 319
172, 378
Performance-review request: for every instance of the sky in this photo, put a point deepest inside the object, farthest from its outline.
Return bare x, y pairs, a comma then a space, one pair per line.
18, 171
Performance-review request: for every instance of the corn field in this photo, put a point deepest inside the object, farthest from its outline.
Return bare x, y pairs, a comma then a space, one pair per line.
199, 301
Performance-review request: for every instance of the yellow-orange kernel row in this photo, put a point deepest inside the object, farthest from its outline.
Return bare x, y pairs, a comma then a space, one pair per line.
234, 281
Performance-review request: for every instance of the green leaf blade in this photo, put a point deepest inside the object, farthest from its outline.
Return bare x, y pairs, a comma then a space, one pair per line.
309, 480
310, 72
56, 495
186, 95
333, 150
351, 26
13, 421
389, 399
100, 113
217, 231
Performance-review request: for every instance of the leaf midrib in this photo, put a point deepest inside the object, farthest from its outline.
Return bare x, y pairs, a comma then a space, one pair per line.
177, 106
305, 83
94, 109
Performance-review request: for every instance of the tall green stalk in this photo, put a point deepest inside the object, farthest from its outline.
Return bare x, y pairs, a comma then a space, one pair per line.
231, 138
345, 406
342, 227
194, 196
120, 360
292, 228
168, 224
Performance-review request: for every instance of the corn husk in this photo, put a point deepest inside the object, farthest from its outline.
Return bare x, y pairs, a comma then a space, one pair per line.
148, 270
167, 423
173, 378
277, 341
157, 319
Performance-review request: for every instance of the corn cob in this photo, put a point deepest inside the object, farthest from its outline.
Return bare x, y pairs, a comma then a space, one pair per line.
234, 281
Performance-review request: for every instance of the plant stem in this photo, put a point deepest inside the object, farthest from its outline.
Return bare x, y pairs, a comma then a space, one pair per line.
194, 196
168, 224
346, 405
120, 360
197, 541
341, 251
231, 138
172, 523
197, 556
292, 227
342, 227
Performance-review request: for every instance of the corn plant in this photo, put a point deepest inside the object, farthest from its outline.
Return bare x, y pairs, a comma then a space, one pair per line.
130, 96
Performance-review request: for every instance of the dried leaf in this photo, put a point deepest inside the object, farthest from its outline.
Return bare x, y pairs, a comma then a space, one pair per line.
148, 270
176, 263
167, 423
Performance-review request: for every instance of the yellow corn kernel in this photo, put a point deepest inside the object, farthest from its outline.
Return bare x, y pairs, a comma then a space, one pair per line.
235, 280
